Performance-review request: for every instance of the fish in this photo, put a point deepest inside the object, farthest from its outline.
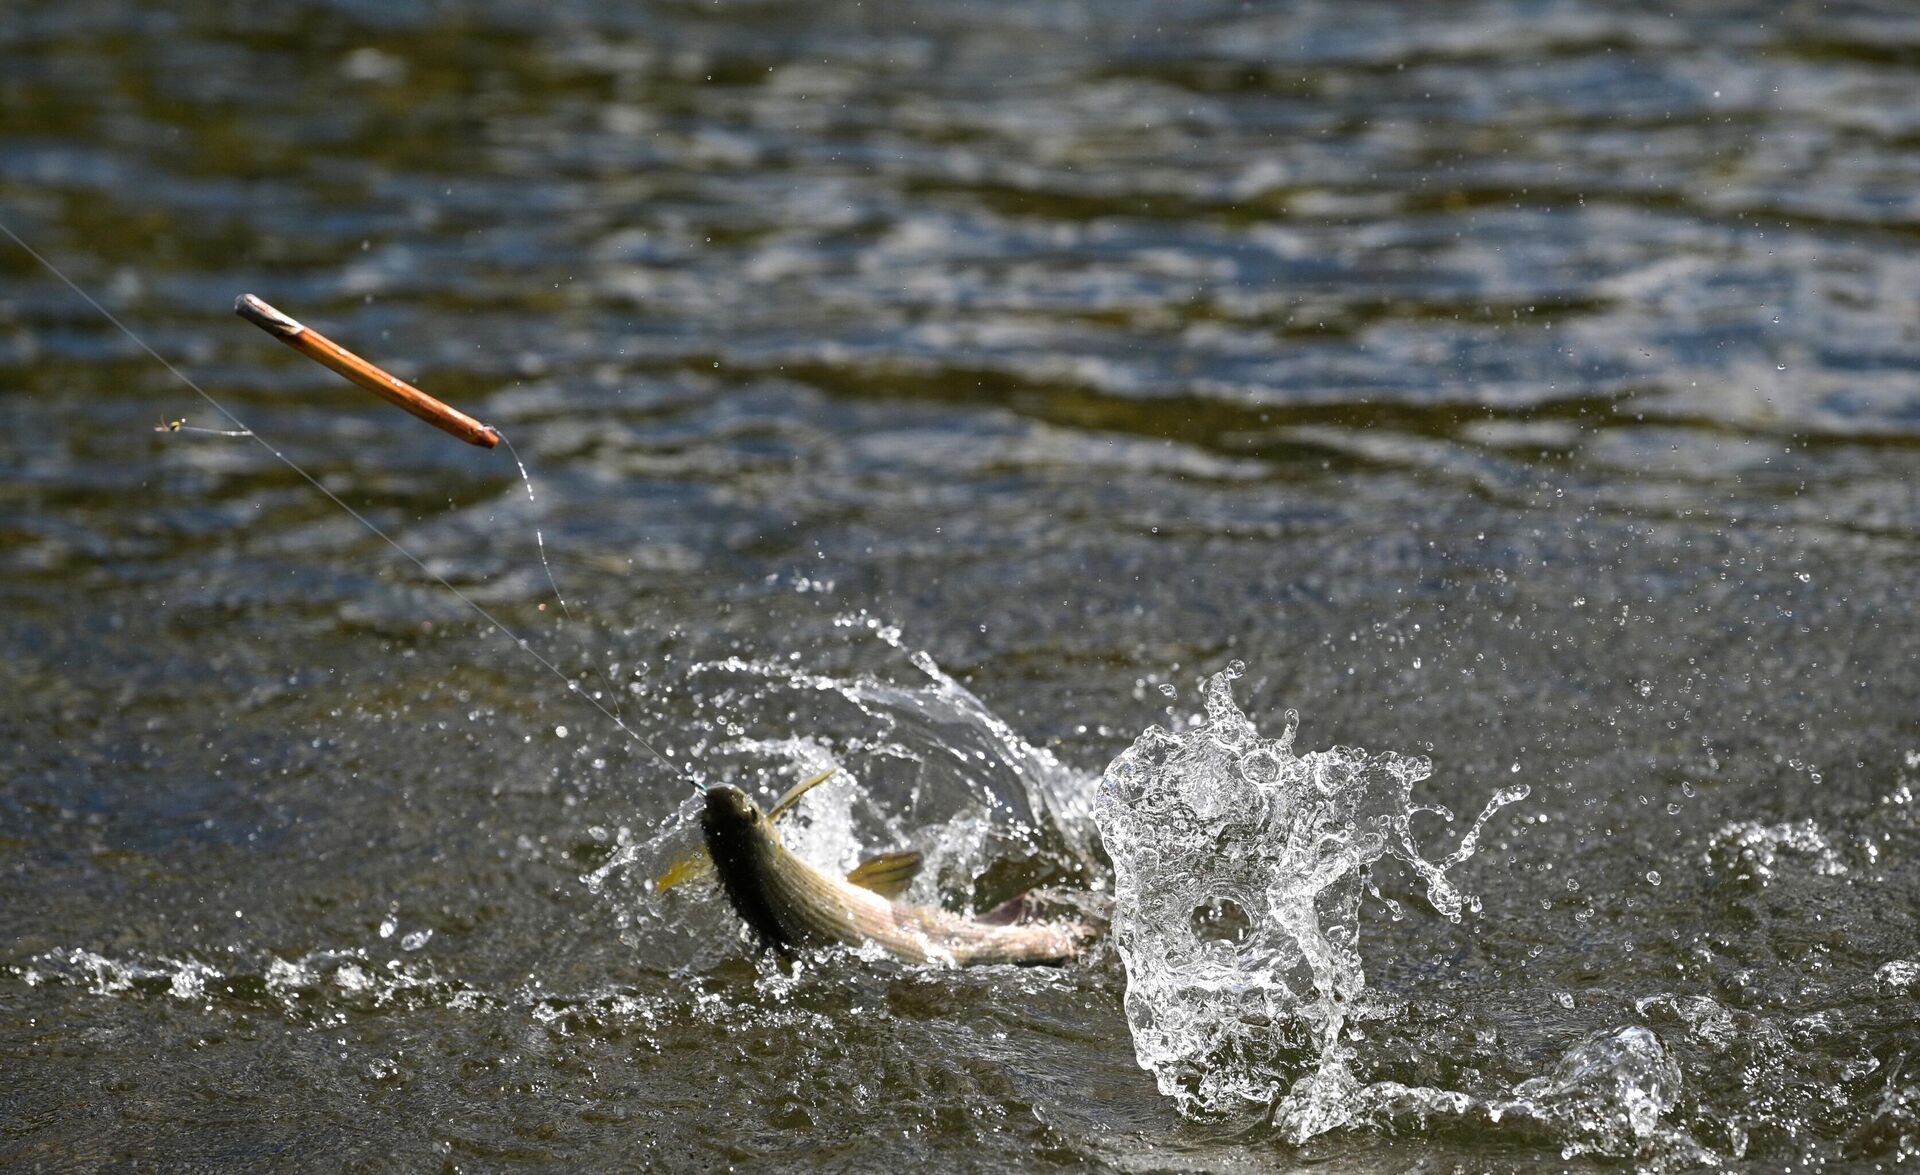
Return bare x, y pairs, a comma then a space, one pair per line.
791, 905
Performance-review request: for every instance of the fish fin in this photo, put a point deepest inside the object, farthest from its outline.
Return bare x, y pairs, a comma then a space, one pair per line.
888, 874
1021, 907
786, 802
695, 864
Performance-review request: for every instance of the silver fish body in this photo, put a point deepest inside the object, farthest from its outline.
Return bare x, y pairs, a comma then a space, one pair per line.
791, 905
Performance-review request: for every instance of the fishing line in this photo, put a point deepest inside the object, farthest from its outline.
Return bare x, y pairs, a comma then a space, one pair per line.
183, 426
540, 543
240, 428
539, 540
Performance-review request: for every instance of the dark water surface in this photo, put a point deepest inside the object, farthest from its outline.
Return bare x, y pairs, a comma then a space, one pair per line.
1531, 385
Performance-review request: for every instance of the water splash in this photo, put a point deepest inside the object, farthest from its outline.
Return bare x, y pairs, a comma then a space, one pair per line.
317, 985
1751, 855
1607, 1097
922, 764
1238, 872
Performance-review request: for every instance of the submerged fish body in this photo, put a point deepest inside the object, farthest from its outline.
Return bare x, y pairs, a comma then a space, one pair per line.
791, 905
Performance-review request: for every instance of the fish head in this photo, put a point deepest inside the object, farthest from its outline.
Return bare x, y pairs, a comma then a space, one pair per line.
741, 841
732, 817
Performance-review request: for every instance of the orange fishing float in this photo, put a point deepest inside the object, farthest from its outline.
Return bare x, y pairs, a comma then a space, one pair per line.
388, 387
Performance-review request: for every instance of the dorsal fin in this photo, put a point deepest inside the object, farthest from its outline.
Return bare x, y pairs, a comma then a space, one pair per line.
786, 802
888, 874
696, 863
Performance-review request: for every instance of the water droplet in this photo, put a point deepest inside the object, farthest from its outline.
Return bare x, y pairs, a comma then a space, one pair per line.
1653, 877
559, 732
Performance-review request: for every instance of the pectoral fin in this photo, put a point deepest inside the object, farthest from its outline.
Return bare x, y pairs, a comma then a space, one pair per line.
684, 869
888, 874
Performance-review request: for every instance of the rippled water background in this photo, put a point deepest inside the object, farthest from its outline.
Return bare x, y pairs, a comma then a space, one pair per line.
1532, 385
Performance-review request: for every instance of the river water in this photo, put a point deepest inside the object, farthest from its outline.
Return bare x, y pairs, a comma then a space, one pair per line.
1526, 386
